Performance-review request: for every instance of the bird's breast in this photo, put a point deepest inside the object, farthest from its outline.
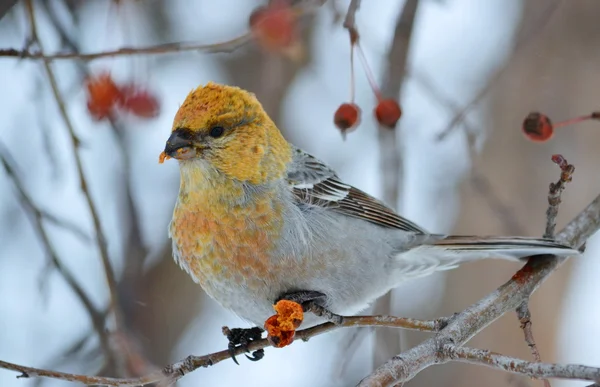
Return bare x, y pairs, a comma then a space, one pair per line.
223, 245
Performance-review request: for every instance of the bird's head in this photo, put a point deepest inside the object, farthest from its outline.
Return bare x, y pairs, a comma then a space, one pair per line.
227, 128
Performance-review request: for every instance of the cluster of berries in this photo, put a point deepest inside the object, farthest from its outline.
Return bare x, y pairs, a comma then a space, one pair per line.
275, 29
105, 96
347, 117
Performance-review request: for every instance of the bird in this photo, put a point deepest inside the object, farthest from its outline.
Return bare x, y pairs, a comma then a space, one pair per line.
258, 219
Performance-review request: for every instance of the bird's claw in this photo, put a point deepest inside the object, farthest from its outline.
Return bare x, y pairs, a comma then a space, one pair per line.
256, 355
241, 338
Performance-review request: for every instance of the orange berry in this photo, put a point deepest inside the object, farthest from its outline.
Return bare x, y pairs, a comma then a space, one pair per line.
388, 112
538, 127
282, 326
103, 93
274, 26
290, 314
138, 101
347, 117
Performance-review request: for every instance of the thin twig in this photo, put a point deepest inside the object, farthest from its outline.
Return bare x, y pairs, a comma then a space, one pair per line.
96, 316
536, 26
517, 366
506, 214
479, 181
223, 47
99, 234
454, 331
302, 8
5, 6
555, 191
554, 200
177, 370
390, 154
350, 19
391, 163
524, 316
65, 224
475, 318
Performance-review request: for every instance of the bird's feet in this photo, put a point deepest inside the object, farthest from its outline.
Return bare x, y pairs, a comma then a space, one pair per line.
314, 302
241, 338
304, 297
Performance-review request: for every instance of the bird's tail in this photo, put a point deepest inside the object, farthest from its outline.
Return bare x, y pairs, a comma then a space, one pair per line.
512, 248
441, 252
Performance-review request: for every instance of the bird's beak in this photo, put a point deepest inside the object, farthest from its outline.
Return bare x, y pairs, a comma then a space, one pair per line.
180, 145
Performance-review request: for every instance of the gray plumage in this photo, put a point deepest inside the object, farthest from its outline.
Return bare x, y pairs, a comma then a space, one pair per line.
344, 243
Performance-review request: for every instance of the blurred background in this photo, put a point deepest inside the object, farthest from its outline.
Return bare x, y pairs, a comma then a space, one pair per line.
489, 63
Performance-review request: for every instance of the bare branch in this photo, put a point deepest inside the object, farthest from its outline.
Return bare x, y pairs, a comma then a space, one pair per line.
65, 224
554, 194
524, 317
518, 366
507, 297
96, 316
177, 370
506, 214
554, 200
479, 181
5, 6
390, 153
391, 163
99, 234
536, 27
29, 372
13, 172
350, 20
223, 47
304, 7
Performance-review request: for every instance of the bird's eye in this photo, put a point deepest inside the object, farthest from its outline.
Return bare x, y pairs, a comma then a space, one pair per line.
216, 131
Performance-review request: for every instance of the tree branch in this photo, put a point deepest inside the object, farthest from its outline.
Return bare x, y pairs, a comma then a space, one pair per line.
96, 316
100, 239
303, 7
534, 28
507, 297
555, 191
554, 200
452, 333
518, 366
5, 6
223, 47
175, 371
350, 20
391, 163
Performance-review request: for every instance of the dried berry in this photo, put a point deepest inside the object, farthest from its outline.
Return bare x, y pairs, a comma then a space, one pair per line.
538, 127
388, 113
282, 326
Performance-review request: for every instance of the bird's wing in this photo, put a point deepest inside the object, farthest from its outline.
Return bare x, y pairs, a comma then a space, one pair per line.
314, 183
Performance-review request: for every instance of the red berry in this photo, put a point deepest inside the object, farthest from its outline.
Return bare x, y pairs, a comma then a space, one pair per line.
347, 117
388, 113
538, 127
274, 27
138, 101
103, 93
